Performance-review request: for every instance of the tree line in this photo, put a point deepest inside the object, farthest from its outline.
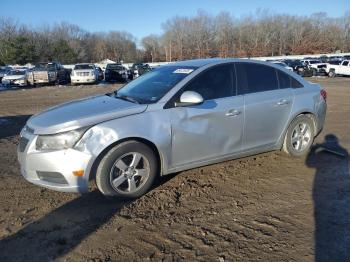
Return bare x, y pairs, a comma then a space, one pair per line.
201, 36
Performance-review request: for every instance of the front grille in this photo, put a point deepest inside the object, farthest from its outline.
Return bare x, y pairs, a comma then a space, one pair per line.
83, 73
52, 177
321, 66
23, 142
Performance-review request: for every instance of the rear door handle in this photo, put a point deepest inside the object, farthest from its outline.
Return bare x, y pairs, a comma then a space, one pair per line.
233, 112
283, 102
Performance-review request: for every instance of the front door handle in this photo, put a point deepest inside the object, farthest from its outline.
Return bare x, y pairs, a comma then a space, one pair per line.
233, 112
283, 102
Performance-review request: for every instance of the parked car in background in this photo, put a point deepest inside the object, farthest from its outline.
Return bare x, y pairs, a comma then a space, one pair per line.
341, 69
144, 69
4, 70
317, 67
177, 117
84, 74
49, 73
100, 73
16, 77
299, 68
139, 69
335, 62
283, 65
116, 72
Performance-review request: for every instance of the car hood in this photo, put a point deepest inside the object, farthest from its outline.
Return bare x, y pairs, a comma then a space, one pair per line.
81, 113
13, 77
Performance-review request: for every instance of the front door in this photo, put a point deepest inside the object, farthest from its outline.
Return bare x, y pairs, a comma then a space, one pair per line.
214, 128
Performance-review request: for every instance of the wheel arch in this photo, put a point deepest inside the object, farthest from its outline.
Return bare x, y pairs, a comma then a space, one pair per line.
150, 144
303, 112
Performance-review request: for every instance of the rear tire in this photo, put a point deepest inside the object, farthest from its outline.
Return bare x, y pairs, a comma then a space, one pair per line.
128, 170
299, 136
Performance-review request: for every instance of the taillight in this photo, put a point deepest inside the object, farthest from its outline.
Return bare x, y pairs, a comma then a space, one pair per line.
324, 94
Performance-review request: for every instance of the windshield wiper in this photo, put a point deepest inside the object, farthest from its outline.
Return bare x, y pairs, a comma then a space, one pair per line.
127, 98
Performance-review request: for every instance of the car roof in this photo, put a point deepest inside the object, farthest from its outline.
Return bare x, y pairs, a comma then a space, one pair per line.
84, 64
208, 61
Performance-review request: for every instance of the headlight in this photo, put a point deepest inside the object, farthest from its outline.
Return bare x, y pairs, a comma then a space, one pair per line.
92, 73
59, 141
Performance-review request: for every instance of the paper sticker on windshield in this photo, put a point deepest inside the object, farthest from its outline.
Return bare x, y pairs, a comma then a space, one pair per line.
183, 71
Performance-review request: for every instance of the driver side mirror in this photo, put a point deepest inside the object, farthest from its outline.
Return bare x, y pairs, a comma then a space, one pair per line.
189, 98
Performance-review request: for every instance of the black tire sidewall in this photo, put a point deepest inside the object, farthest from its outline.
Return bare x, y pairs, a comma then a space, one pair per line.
103, 170
296, 121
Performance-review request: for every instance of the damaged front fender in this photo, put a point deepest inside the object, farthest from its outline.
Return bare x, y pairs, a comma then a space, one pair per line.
150, 126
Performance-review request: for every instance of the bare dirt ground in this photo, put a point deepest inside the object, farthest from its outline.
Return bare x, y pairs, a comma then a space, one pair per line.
267, 207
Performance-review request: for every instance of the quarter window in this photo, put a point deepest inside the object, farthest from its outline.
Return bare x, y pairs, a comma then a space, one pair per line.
214, 83
254, 78
286, 81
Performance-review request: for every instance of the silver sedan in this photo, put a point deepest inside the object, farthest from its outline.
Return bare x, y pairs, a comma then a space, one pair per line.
176, 117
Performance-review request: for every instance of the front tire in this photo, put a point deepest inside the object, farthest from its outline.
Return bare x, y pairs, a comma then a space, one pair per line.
299, 136
128, 170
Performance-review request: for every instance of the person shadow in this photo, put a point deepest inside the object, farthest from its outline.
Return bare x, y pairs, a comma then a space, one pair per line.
331, 196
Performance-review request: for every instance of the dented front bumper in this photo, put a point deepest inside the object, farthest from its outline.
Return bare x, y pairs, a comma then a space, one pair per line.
54, 169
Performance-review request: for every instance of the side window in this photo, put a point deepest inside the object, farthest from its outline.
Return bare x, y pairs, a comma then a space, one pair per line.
254, 78
214, 83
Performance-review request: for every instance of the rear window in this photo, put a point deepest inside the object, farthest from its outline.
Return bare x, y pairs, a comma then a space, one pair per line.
114, 67
254, 78
45, 66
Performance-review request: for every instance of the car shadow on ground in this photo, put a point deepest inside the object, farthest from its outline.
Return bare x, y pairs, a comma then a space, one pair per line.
60, 231
331, 196
12, 125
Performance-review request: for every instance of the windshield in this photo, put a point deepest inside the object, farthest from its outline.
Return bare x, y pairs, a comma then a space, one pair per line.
17, 73
85, 66
315, 62
44, 66
151, 87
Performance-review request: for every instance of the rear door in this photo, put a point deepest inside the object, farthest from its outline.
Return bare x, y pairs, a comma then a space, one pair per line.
212, 129
344, 68
267, 107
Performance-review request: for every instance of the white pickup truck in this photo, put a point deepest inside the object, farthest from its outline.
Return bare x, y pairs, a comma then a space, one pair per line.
342, 69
